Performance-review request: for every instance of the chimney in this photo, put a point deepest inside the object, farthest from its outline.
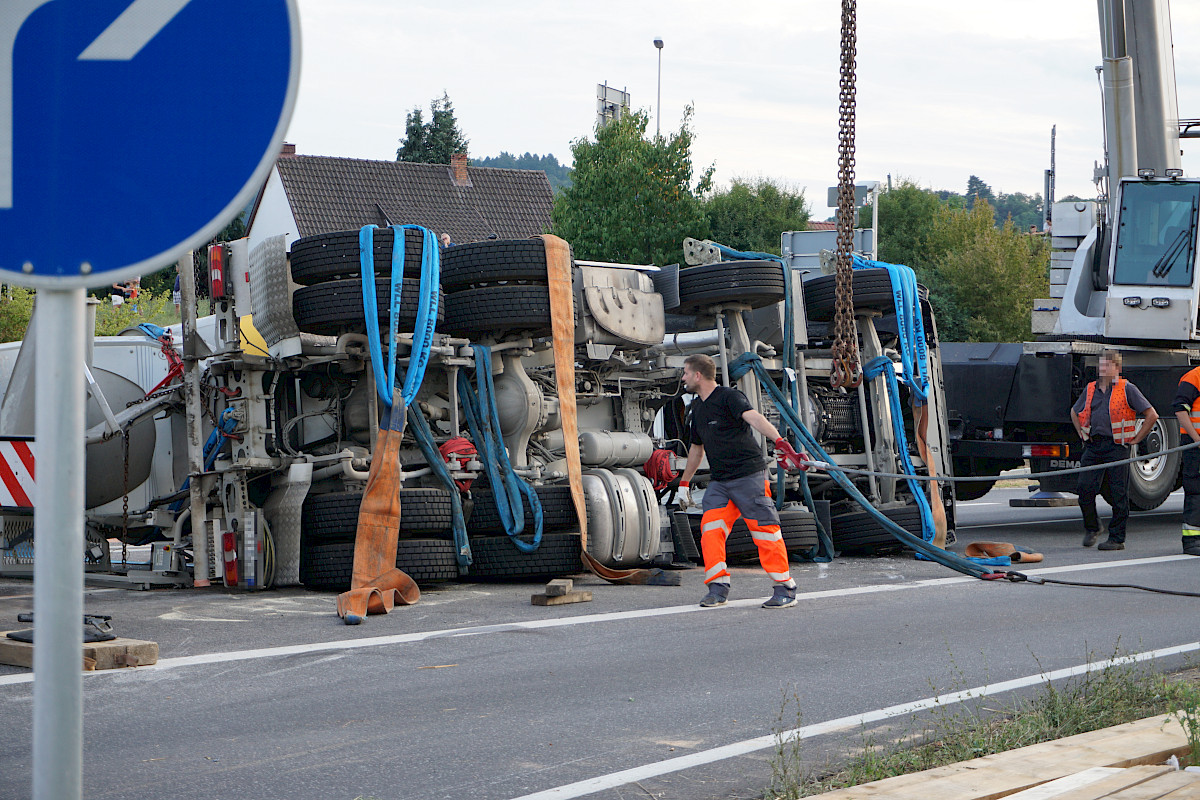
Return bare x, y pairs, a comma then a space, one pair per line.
288, 151
458, 169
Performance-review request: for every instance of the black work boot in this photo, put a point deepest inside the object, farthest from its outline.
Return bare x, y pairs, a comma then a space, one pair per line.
1191, 545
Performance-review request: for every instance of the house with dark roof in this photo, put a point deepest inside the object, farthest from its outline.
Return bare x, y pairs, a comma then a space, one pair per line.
307, 195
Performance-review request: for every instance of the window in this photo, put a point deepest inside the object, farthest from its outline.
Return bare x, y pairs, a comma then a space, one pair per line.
1156, 239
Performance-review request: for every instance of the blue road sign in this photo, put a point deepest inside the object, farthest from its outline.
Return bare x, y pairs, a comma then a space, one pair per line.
132, 131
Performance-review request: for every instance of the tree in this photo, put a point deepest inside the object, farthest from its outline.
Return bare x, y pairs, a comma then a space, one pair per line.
558, 174
632, 199
995, 273
751, 214
435, 141
1023, 209
978, 190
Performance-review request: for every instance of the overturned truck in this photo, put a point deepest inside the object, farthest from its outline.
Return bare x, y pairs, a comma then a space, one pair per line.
282, 429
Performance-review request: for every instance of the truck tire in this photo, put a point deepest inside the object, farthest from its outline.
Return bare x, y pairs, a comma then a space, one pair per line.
333, 517
335, 306
753, 283
329, 567
497, 558
467, 266
558, 511
494, 310
799, 529
860, 532
1150, 482
330, 256
872, 291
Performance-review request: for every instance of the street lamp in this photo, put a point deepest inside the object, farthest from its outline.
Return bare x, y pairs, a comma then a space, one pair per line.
658, 43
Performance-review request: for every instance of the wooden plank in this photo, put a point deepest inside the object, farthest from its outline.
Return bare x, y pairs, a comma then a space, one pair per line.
1147, 741
1122, 779
1158, 788
1067, 783
562, 599
1189, 792
118, 652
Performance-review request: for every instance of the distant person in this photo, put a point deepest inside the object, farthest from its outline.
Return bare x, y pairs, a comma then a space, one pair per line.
1187, 411
444, 241
1105, 417
722, 419
1033, 230
176, 294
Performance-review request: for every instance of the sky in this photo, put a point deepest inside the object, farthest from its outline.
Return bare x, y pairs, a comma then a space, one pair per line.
945, 88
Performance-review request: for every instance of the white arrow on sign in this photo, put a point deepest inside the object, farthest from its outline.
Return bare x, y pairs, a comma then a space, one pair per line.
122, 40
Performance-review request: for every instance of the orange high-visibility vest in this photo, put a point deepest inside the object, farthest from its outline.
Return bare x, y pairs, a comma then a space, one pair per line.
1192, 377
1123, 418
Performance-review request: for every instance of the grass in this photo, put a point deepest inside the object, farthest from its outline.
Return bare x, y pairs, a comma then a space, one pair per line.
1114, 695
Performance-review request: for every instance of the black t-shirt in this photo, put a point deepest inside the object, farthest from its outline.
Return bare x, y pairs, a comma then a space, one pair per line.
727, 438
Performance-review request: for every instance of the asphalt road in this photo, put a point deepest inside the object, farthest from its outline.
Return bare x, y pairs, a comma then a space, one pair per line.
474, 693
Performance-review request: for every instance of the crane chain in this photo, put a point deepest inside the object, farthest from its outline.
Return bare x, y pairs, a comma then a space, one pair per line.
846, 369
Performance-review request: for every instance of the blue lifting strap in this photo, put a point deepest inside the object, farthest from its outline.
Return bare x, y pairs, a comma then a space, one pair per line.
385, 379
883, 366
909, 322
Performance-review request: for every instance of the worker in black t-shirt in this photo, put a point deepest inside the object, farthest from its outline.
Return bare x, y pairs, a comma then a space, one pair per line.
722, 419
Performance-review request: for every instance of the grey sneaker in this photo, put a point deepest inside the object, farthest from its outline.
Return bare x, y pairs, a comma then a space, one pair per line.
1109, 544
782, 598
718, 593
1090, 537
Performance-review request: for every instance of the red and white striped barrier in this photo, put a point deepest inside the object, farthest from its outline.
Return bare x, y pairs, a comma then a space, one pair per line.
16, 472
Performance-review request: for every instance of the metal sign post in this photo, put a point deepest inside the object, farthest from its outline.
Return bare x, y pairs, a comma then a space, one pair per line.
58, 543
131, 133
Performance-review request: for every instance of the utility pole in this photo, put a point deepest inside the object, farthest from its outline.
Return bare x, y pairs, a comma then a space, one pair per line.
658, 43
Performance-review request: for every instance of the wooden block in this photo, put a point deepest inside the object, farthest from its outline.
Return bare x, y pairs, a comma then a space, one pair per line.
562, 599
118, 652
1157, 788
559, 587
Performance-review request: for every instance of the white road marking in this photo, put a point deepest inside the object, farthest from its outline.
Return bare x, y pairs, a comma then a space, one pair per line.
560, 622
613, 779
132, 30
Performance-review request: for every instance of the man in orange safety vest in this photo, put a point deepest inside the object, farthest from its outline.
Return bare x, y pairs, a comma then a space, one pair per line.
1106, 418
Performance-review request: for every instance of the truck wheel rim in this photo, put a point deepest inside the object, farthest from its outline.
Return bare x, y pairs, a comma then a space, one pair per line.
1150, 469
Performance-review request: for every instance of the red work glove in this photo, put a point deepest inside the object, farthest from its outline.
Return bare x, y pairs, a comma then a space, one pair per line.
788, 458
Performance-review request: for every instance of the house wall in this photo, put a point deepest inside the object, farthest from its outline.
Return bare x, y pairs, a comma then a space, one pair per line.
274, 215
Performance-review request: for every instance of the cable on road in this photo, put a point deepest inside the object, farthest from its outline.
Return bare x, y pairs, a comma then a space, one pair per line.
1020, 577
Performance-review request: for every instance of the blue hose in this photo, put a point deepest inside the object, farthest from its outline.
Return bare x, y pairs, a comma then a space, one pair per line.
507, 486
751, 361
